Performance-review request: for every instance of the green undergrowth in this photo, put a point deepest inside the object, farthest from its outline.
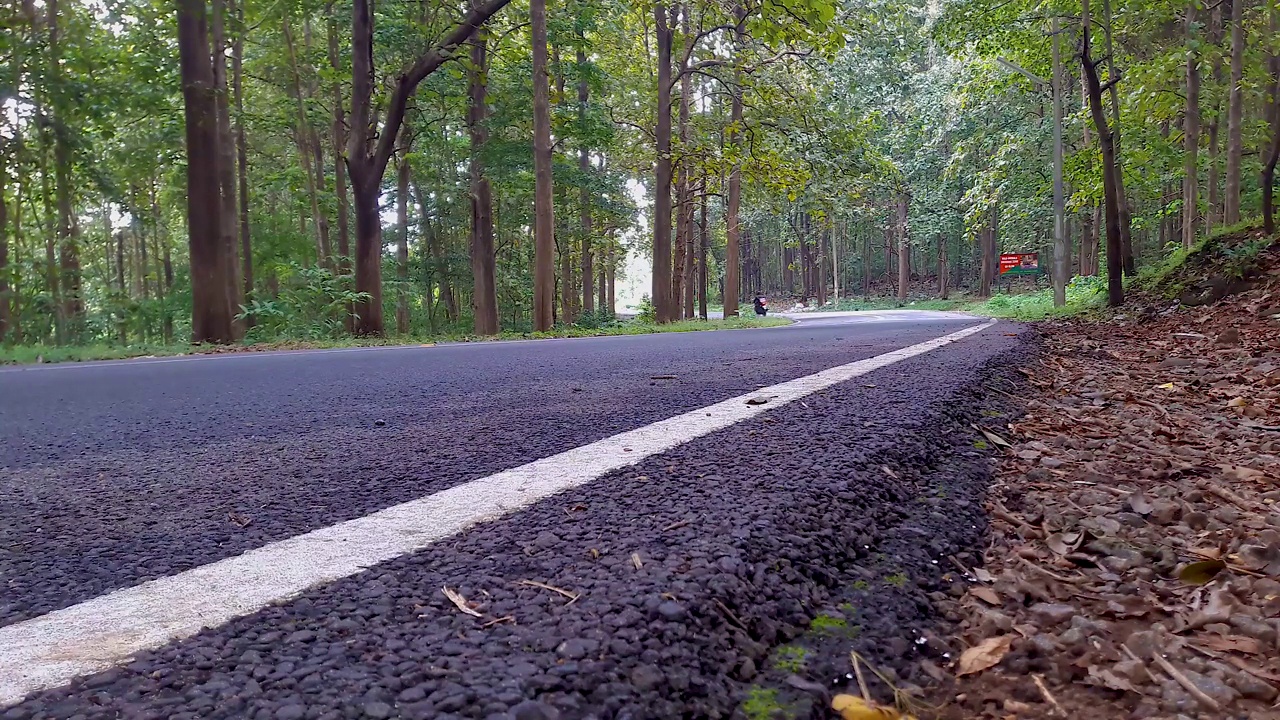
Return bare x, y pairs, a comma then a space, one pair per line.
1229, 253
1084, 294
32, 354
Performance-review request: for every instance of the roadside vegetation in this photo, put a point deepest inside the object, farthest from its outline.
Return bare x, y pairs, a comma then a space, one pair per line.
32, 354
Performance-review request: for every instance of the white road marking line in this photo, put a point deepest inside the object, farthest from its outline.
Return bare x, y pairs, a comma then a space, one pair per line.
51, 650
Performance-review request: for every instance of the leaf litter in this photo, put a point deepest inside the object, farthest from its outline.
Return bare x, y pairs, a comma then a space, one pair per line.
1133, 569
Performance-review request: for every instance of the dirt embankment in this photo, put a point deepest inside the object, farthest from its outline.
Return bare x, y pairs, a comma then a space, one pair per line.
1133, 565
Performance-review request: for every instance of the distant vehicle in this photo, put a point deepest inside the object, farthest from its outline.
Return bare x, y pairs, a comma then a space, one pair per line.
762, 305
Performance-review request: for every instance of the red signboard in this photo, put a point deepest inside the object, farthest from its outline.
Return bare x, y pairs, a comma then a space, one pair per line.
1020, 264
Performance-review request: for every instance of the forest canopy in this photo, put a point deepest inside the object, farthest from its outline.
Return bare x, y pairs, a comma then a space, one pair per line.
244, 170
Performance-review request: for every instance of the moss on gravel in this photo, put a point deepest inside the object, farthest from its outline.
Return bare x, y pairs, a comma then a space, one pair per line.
763, 704
789, 658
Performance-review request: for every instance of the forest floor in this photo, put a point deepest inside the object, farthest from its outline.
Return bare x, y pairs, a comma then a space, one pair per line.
1133, 564
35, 354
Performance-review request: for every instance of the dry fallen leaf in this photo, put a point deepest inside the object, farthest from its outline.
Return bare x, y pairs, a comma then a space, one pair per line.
993, 438
985, 654
852, 707
1233, 643
986, 595
1201, 572
1108, 679
1064, 543
460, 602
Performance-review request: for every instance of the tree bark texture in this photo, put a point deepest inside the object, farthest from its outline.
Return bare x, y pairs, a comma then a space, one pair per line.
484, 294
1235, 117
544, 279
663, 303
211, 317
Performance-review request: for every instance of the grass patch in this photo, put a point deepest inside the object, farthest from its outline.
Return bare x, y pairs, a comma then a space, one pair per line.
861, 585
897, 580
1084, 294
32, 354
789, 658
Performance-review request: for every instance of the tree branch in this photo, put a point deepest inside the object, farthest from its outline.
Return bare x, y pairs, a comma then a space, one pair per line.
427, 63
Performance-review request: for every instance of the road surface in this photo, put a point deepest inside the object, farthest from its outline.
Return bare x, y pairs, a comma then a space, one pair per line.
608, 516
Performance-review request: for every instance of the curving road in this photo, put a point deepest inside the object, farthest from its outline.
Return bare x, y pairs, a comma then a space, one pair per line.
130, 476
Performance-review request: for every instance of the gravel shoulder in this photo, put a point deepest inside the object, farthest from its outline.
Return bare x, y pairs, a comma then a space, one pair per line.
1133, 568
664, 590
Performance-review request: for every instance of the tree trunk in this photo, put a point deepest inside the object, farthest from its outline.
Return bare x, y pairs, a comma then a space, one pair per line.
1191, 136
1061, 242
544, 279
733, 203
866, 264
703, 253
663, 303
484, 294
369, 148
1213, 216
242, 157
988, 269
904, 246
337, 136
943, 285
611, 276
1092, 218
602, 299
226, 160
584, 196
68, 228
211, 316
1126, 222
1235, 116
1113, 199
402, 242
1273, 112
4, 244
306, 154
835, 265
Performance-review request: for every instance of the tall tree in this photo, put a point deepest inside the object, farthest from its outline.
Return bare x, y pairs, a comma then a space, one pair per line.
484, 294
544, 281
68, 226
402, 239
733, 219
1111, 192
369, 148
1191, 135
663, 303
1273, 112
242, 152
226, 157
211, 316
584, 193
1235, 117
904, 245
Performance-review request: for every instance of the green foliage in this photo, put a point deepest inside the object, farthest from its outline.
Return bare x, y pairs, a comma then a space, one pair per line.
313, 306
645, 312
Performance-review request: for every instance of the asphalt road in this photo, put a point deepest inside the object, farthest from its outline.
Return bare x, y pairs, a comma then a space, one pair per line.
114, 474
